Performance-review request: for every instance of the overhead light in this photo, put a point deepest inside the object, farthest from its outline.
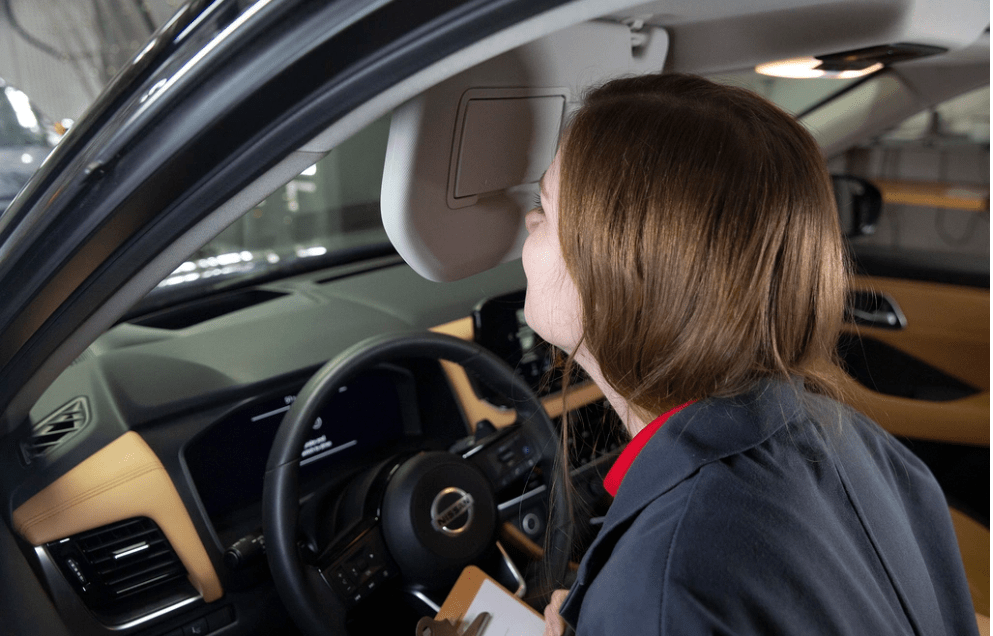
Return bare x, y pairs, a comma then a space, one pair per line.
810, 67
847, 64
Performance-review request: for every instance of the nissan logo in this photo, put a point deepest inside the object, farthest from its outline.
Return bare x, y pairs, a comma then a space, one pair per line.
451, 511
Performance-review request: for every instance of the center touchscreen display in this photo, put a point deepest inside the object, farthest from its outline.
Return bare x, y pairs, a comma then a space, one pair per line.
227, 462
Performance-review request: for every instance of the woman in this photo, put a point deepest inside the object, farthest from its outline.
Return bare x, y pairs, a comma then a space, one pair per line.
686, 253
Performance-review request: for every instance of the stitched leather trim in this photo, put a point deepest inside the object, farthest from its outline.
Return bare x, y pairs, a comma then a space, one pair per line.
122, 480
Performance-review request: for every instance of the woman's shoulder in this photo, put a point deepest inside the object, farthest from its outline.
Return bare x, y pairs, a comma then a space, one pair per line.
806, 528
759, 514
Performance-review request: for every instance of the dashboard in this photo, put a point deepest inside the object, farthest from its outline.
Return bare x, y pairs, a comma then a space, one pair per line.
206, 391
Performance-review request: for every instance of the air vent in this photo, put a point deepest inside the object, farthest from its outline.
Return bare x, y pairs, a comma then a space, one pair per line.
128, 560
57, 428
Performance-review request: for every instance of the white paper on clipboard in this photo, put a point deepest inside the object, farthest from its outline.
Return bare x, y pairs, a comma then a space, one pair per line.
475, 592
508, 616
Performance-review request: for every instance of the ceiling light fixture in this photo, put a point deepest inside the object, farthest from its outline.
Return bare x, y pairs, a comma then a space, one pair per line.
847, 64
810, 67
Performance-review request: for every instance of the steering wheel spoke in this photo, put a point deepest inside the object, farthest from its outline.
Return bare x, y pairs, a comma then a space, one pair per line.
511, 456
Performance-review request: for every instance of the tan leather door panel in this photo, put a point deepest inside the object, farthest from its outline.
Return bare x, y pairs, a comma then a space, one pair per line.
947, 326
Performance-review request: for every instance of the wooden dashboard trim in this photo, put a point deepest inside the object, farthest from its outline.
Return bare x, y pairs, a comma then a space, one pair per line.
122, 480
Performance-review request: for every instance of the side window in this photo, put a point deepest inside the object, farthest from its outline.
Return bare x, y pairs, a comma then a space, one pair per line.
933, 172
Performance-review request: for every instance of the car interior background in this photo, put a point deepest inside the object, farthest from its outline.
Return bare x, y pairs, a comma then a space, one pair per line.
412, 221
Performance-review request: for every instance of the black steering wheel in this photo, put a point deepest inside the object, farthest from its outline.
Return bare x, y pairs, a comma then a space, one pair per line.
422, 515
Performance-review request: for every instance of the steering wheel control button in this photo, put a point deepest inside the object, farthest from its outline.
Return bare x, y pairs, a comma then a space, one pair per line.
361, 568
509, 459
451, 511
341, 582
393, 498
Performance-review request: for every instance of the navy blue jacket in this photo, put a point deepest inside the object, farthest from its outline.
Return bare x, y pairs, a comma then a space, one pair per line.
773, 513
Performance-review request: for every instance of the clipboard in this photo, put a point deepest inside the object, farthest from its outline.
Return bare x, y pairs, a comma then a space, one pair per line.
476, 592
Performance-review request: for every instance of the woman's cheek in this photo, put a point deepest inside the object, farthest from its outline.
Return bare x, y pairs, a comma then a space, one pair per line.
536, 310
566, 313
552, 309
551, 305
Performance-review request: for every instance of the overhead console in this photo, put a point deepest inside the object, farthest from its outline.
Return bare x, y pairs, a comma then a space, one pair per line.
464, 158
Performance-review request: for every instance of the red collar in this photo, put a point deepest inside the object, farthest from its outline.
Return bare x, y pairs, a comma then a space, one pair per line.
620, 468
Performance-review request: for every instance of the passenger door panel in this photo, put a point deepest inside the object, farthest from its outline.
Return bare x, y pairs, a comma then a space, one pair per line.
947, 329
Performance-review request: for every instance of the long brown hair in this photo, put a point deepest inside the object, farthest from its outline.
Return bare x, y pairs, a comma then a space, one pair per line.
699, 225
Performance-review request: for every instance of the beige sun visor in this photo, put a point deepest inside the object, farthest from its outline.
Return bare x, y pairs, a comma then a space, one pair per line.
464, 158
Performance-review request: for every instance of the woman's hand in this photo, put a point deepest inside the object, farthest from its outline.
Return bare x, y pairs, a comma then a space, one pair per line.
554, 624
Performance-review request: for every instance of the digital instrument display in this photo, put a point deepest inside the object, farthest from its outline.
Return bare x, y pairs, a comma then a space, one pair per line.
227, 462
500, 326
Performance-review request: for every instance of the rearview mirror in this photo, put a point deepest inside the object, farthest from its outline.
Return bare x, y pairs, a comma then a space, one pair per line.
859, 204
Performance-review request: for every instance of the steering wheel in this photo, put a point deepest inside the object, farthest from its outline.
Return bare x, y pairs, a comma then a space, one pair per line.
420, 515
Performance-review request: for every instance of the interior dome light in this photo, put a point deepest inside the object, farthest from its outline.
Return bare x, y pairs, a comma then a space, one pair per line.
848, 64
811, 67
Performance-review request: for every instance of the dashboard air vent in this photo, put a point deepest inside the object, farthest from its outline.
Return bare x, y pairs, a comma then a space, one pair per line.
118, 561
55, 429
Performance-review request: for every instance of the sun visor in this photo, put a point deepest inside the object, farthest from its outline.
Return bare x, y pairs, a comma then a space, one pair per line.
464, 158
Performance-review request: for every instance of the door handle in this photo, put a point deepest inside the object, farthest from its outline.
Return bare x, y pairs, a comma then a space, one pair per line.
874, 309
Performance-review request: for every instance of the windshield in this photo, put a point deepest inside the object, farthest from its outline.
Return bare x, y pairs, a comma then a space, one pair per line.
329, 209
330, 212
